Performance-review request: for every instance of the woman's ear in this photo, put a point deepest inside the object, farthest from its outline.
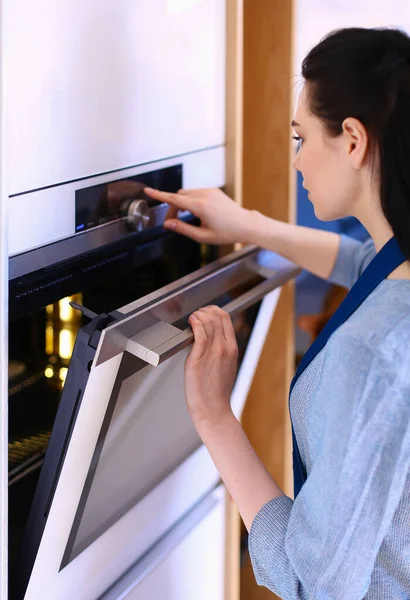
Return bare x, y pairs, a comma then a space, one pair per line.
357, 141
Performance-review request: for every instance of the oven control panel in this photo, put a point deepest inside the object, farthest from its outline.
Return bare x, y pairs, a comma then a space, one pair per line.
124, 200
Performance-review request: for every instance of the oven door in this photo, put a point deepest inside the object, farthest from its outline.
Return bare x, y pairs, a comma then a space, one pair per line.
124, 462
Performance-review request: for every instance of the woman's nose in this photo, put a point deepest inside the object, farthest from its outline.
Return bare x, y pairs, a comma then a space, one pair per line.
296, 162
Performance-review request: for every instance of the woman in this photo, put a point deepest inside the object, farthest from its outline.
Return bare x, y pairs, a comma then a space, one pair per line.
347, 533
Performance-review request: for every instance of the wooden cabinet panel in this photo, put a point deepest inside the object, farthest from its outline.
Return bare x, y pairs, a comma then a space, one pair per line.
269, 186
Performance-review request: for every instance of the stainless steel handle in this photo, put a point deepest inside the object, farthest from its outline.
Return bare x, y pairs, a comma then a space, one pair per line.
182, 339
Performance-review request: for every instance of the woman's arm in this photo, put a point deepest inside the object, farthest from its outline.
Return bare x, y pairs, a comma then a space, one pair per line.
312, 249
245, 477
209, 376
224, 222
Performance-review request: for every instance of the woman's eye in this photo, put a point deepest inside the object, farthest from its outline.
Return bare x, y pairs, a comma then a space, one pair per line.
299, 140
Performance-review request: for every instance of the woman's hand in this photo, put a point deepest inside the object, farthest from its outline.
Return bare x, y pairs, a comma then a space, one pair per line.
210, 367
222, 220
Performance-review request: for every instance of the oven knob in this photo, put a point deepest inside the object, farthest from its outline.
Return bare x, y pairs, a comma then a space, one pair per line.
138, 217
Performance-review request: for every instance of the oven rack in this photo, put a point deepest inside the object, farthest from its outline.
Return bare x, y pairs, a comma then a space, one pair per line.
26, 454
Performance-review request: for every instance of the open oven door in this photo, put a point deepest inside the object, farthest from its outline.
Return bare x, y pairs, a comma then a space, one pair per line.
124, 462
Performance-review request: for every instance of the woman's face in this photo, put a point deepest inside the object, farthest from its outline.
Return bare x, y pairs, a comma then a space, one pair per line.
331, 178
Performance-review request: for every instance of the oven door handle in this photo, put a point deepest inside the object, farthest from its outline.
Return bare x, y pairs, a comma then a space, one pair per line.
182, 339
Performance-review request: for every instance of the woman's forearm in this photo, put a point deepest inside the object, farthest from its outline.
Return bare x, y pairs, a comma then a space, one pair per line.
245, 477
312, 249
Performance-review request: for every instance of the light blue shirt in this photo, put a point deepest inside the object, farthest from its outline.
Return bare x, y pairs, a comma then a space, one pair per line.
347, 535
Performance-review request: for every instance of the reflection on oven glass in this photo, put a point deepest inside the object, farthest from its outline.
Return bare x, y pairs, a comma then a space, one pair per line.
40, 349
102, 203
114, 200
150, 433
62, 325
119, 191
35, 384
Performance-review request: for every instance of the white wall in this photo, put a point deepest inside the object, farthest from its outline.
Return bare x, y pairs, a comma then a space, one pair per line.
315, 18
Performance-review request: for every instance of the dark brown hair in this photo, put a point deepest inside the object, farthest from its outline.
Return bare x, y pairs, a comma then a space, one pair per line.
365, 73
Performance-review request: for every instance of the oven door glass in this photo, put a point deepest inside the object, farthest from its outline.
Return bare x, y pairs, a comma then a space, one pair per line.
124, 461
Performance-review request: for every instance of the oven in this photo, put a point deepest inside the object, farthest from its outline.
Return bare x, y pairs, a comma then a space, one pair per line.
104, 461
111, 493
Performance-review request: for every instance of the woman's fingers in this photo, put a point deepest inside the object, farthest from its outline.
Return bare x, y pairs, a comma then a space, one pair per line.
222, 220
178, 200
219, 329
211, 365
209, 324
200, 338
182, 202
227, 332
212, 323
205, 328
228, 329
193, 192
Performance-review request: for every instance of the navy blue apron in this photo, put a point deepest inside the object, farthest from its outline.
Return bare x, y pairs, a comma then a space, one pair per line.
385, 261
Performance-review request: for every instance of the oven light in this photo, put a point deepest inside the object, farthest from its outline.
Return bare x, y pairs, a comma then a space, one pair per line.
66, 339
49, 339
49, 372
63, 374
65, 309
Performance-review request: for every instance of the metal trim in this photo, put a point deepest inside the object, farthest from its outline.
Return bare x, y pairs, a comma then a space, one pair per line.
81, 243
